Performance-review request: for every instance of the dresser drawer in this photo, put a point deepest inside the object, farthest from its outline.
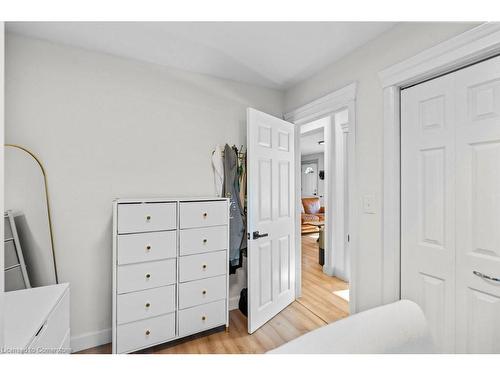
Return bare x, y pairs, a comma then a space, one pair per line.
144, 333
134, 277
202, 317
53, 331
143, 247
145, 304
11, 259
203, 214
202, 240
146, 217
194, 267
198, 292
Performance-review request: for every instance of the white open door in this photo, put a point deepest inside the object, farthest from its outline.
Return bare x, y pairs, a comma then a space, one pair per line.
271, 224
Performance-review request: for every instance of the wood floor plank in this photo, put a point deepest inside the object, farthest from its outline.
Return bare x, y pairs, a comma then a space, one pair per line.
316, 307
318, 288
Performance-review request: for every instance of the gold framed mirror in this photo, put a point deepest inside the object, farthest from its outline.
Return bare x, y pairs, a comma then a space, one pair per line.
27, 200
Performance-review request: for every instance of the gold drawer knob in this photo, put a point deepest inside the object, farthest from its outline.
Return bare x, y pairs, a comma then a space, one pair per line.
148, 332
148, 218
205, 241
204, 292
205, 215
148, 247
204, 266
148, 276
203, 318
148, 305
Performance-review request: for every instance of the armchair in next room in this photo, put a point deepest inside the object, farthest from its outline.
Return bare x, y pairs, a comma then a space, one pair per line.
312, 211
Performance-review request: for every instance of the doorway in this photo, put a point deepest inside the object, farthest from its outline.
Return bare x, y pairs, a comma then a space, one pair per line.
274, 200
325, 269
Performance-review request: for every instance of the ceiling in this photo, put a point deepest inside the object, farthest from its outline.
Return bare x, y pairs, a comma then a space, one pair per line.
271, 54
310, 134
309, 142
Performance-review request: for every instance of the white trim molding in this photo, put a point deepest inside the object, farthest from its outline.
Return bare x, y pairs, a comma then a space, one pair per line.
328, 105
90, 340
391, 197
469, 47
323, 106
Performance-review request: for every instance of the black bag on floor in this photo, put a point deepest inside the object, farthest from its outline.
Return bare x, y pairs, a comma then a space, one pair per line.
243, 304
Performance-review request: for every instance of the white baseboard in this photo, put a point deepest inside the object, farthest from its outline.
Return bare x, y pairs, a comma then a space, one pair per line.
233, 303
90, 340
332, 271
341, 275
328, 270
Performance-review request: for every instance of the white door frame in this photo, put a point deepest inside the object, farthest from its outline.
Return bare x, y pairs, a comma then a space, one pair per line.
467, 48
344, 98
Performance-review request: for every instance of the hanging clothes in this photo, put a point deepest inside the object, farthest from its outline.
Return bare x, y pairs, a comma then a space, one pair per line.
243, 179
218, 167
231, 191
242, 159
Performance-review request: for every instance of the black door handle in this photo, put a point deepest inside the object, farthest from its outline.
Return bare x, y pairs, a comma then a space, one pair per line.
256, 235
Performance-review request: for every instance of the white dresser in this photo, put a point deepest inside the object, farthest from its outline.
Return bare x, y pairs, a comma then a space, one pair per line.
37, 320
170, 269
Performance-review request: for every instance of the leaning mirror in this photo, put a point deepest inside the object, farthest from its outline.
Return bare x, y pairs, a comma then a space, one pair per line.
29, 250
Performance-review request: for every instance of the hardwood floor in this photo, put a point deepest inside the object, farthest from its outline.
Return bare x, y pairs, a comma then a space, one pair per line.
317, 288
317, 306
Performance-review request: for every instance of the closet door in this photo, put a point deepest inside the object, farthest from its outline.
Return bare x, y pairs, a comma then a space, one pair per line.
428, 204
478, 207
450, 206
271, 224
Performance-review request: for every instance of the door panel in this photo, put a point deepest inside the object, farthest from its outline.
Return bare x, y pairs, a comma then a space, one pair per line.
432, 196
428, 205
483, 327
284, 189
265, 189
271, 192
478, 207
284, 264
265, 274
433, 301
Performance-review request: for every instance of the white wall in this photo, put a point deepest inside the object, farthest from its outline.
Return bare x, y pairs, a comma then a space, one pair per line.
107, 127
1, 174
363, 65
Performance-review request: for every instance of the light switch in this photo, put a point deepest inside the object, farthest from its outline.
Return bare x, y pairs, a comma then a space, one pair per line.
369, 204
